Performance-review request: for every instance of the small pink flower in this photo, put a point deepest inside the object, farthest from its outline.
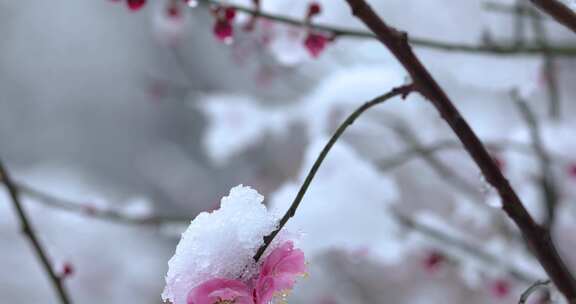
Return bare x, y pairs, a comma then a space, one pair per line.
135, 4
316, 43
572, 170
314, 9
433, 261
500, 288
220, 291
279, 271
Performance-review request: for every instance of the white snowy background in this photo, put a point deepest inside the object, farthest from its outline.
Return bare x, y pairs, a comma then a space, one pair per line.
131, 113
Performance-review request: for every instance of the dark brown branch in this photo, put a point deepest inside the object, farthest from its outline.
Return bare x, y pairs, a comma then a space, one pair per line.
504, 49
559, 11
30, 233
537, 237
526, 294
400, 91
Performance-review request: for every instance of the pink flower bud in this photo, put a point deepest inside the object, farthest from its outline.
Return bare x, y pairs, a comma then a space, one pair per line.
315, 44
135, 4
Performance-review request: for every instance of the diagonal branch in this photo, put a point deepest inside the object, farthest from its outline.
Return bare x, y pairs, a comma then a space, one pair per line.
537, 237
28, 230
399, 91
559, 11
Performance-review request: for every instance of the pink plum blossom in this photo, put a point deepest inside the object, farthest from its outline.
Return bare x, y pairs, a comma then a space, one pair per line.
277, 274
279, 271
220, 291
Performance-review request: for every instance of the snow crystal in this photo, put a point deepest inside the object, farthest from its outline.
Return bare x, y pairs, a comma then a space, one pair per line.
219, 244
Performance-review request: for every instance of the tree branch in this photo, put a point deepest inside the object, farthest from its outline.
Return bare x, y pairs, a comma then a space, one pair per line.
85, 210
526, 294
546, 180
559, 11
550, 71
399, 91
511, 49
28, 230
461, 245
537, 237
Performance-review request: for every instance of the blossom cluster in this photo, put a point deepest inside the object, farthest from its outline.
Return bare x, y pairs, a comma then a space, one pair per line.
224, 26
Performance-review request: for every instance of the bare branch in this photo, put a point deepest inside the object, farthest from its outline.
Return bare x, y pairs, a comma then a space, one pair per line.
526, 294
30, 233
462, 245
550, 71
399, 91
547, 182
537, 237
559, 11
88, 211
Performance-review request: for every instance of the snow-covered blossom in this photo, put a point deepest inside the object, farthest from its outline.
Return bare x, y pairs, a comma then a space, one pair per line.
214, 263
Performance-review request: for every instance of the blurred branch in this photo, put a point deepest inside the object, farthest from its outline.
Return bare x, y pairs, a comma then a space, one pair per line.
522, 10
30, 233
437, 165
559, 11
462, 245
399, 91
519, 24
511, 49
115, 216
526, 294
89, 211
412, 153
547, 183
537, 237
550, 71
446, 173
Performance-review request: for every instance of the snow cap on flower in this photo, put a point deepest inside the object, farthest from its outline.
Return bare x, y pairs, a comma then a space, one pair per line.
219, 245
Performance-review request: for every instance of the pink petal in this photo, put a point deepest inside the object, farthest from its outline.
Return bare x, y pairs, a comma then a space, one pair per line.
215, 290
279, 271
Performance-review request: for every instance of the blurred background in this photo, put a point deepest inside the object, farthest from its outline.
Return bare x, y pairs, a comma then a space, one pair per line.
121, 125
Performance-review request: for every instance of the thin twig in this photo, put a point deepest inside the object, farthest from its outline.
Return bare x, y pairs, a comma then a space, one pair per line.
461, 245
537, 237
535, 286
437, 165
511, 9
511, 49
89, 211
550, 71
519, 22
547, 182
30, 233
399, 91
559, 11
